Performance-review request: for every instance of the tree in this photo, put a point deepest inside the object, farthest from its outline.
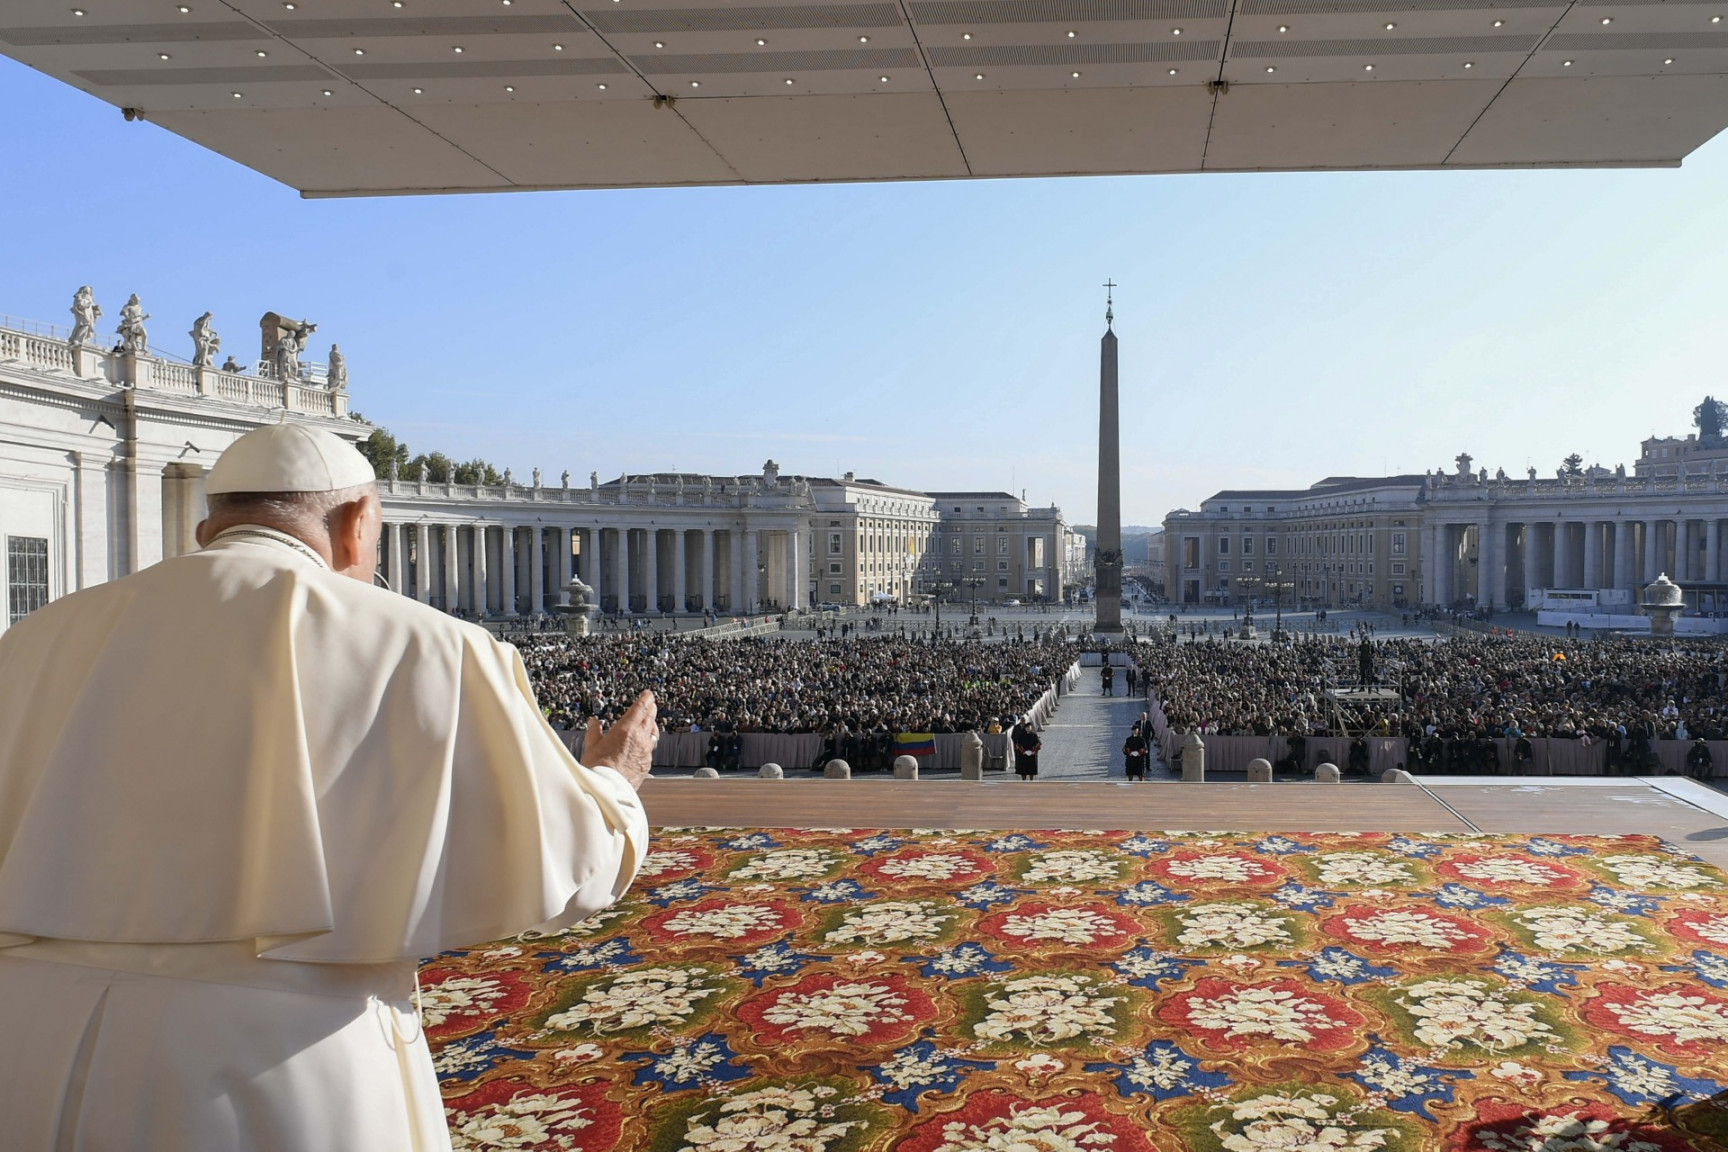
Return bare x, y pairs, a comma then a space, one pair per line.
1711, 418
1574, 465
382, 447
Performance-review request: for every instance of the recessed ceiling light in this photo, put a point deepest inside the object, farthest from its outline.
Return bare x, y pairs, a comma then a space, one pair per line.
1283, 27
863, 39
236, 95
965, 35
1715, 19
359, 51
77, 11
760, 42
509, 87
1072, 34
1075, 75
1172, 71
978, 76
883, 79
1469, 64
262, 54
1565, 63
695, 83
1367, 67
1175, 31
162, 56
1499, 23
557, 47
456, 48
1269, 68
183, 10
659, 43
290, 7
327, 92
788, 79
1670, 60
1390, 25
419, 91
1607, 19
602, 87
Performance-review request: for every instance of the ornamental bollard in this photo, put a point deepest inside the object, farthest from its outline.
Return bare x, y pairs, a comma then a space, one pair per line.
1194, 759
905, 768
1326, 774
706, 774
771, 772
837, 770
1259, 771
972, 757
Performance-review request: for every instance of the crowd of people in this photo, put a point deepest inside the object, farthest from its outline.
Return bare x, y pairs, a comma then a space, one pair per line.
869, 685
1457, 690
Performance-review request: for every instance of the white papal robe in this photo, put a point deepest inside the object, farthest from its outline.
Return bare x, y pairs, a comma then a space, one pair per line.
240, 796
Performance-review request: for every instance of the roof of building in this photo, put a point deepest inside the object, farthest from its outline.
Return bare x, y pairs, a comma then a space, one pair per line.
1331, 486
974, 496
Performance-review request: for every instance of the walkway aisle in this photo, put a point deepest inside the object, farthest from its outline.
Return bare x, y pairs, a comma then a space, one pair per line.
1084, 740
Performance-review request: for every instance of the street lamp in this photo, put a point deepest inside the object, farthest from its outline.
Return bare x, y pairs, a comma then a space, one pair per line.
940, 588
974, 583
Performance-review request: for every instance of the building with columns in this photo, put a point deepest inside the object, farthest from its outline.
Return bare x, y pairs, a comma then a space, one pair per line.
104, 453
1011, 548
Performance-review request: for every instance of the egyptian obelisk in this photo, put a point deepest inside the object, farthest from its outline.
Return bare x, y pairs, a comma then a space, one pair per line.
1108, 562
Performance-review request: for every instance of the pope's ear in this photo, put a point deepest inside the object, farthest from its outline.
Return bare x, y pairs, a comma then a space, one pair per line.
202, 533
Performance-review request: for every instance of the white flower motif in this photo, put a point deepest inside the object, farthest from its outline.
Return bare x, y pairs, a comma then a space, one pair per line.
636, 999
727, 922
1241, 963
768, 1120
528, 1121
1073, 865
1231, 926
1511, 870
907, 1069
1163, 1068
1068, 925
1278, 1122
868, 956
848, 1008
786, 864
1687, 1019
1451, 1013
1040, 1064
1521, 1074
932, 866
891, 922
1048, 1008
689, 1062
1712, 928
458, 996
662, 861
1031, 1129
1362, 868
1398, 927
1272, 1012
1644, 872
581, 1054
505, 953
1567, 928
1219, 866
1554, 1132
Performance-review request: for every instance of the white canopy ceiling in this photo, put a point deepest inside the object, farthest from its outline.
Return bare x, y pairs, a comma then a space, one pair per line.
357, 97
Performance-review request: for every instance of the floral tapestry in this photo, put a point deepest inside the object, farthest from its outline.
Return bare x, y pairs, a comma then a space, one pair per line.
942, 991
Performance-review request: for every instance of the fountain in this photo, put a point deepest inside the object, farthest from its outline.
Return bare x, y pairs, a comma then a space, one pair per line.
1662, 602
578, 608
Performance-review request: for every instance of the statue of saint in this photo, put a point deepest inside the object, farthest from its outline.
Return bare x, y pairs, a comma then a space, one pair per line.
338, 375
536, 478
566, 479
85, 313
393, 469
1619, 471
133, 337
425, 472
507, 480
1532, 471
289, 345
593, 481
1463, 462
205, 342
231, 365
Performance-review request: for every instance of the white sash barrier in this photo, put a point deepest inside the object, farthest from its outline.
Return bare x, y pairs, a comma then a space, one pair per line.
793, 750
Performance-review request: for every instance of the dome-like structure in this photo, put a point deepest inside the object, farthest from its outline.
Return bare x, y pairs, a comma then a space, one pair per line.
1662, 593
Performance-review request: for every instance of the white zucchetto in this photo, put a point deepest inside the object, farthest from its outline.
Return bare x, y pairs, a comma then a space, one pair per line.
288, 458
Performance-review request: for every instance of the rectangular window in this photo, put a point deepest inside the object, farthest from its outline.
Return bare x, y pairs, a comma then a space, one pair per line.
956, 545
978, 566
1247, 545
1001, 545
1271, 545
977, 545
26, 575
1001, 581
1247, 565
1397, 543
833, 569
1223, 545
833, 589
1223, 565
834, 544
1190, 552
1001, 565
1397, 569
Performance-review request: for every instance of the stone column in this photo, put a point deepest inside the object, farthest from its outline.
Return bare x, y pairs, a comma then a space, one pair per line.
1431, 552
1558, 532
395, 570
708, 569
422, 564
1622, 554
593, 571
680, 573
797, 573
1650, 557
1712, 551
536, 570
482, 576
651, 569
1491, 587
452, 571
1592, 554
752, 581
624, 570
507, 563
1682, 550
1445, 565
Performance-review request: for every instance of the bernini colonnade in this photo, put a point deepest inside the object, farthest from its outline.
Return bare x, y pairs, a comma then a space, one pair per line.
510, 549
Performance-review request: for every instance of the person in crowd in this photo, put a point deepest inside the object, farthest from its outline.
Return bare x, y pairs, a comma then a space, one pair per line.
1135, 752
1700, 764
1026, 749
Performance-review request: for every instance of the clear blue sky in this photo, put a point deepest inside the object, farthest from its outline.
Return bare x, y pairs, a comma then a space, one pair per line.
1275, 329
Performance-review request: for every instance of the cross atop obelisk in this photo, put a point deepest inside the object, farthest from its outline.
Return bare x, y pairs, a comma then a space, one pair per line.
1107, 561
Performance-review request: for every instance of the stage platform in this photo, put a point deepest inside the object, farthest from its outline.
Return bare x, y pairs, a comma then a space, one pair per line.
1685, 813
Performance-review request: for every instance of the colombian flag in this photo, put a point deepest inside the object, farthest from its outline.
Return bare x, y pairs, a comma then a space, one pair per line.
914, 744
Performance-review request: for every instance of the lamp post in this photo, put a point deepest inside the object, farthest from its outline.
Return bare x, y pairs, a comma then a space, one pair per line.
939, 588
974, 583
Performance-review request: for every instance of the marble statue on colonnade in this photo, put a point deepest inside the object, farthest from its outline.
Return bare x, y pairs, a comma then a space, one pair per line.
337, 377
85, 313
566, 479
133, 337
205, 342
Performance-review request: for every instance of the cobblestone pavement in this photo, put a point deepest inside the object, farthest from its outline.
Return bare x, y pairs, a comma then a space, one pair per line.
1084, 739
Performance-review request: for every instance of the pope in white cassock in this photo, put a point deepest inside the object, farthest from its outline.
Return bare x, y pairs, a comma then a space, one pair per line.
241, 793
